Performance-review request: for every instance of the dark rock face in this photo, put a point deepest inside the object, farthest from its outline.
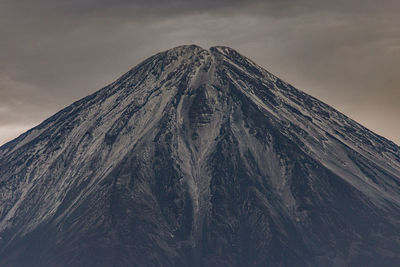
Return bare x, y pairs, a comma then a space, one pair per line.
199, 158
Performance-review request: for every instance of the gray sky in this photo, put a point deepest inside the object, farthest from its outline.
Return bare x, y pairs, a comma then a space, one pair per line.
346, 53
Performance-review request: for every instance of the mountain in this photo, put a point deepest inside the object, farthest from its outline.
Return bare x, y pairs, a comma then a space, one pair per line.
199, 158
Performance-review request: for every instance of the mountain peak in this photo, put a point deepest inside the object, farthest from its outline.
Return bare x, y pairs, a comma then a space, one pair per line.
192, 48
199, 157
197, 47
223, 49
185, 49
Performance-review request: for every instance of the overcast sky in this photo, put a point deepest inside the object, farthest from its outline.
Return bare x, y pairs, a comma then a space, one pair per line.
344, 52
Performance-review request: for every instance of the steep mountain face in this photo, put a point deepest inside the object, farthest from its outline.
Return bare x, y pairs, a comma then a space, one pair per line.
199, 158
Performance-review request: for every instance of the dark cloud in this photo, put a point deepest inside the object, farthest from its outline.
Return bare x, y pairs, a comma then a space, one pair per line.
346, 53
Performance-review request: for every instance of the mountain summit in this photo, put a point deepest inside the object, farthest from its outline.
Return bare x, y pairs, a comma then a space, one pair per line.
199, 158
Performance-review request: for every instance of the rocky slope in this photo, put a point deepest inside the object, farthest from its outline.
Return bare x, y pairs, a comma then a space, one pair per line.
199, 158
